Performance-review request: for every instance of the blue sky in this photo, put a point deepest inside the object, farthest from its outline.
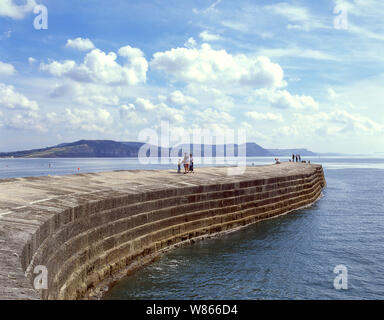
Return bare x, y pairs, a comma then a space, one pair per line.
283, 71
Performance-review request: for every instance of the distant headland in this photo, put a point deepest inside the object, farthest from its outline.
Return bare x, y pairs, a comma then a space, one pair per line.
116, 149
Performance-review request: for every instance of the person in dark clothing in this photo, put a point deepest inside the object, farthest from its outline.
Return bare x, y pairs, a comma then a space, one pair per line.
293, 158
190, 163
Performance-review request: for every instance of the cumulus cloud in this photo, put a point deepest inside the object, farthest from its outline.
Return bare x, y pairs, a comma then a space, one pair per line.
206, 65
128, 113
161, 110
6, 69
207, 95
282, 99
339, 122
124, 109
102, 68
145, 104
136, 63
21, 113
87, 94
10, 8
80, 44
11, 99
178, 98
213, 116
264, 116
87, 119
191, 43
24, 120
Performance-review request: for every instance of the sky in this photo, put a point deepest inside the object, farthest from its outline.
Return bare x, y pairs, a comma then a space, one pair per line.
297, 74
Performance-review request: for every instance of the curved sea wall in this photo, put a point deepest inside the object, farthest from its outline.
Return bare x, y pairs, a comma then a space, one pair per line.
68, 237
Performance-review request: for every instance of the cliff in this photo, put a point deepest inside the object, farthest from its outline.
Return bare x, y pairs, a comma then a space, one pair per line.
109, 148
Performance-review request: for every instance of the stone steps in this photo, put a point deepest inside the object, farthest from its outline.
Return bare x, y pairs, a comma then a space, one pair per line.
149, 243
89, 230
183, 220
135, 209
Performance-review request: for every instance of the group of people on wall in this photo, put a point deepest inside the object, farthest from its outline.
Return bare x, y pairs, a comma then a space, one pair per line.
295, 158
187, 163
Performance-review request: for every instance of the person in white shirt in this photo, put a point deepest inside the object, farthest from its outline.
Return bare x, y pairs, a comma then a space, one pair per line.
186, 162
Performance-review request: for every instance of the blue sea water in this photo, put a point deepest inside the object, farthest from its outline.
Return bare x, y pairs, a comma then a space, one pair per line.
23, 167
289, 257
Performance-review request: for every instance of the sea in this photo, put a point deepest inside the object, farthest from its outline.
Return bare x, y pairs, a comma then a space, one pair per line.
333, 249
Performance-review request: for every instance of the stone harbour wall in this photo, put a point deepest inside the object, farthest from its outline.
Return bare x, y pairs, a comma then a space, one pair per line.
89, 230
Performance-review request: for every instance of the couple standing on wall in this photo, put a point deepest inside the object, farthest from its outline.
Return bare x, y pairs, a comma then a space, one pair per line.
187, 162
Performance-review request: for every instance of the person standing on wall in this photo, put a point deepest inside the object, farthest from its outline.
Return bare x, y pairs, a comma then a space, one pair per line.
190, 163
186, 162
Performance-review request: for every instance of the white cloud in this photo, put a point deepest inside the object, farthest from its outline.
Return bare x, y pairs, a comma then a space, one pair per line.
31, 60
87, 94
102, 68
80, 44
11, 99
24, 120
246, 125
206, 65
237, 26
145, 104
332, 94
128, 113
364, 32
128, 107
178, 98
300, 16
209, 10
98, 100
206, 36
213, 116
87, 119
6, 69
191, 43
8, 8
362, 8
264, 116
282, 99
339, 122
137, 64
296, 52
369, 14
209, 96
161, 110
292, 12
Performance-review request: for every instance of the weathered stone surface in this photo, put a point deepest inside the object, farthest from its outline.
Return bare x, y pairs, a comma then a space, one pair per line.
90, 229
